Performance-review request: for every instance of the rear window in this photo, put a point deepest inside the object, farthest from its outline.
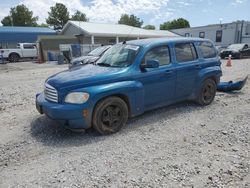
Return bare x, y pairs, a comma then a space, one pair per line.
207, 49
185, 52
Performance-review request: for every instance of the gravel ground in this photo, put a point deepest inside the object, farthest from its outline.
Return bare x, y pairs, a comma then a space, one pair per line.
183, 145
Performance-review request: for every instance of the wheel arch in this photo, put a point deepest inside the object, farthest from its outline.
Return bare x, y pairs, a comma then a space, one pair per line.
122, 96
14, 53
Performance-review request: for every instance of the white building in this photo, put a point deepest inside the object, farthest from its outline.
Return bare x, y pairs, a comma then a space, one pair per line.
100, 33
220, 34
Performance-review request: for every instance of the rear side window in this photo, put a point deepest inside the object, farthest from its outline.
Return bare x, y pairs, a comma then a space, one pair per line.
160, 53
207, 49
26, 46
185, 52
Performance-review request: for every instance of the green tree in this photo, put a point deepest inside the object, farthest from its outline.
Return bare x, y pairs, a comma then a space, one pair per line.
58, 16
42, 25
7, 21
79, 16
149, 27
19, 16
175, 24
131, 20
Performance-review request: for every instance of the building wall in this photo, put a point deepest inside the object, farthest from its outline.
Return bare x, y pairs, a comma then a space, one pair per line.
231, 33
10, 40
51, 44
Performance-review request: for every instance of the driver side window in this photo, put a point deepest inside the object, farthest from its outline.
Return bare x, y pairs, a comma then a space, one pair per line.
160, 54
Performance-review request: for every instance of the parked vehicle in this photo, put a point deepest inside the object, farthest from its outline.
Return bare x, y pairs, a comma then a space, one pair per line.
23, 50
236, 51
129, 79
91, 57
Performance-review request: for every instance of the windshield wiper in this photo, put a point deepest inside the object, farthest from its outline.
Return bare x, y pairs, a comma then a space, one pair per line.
104, 64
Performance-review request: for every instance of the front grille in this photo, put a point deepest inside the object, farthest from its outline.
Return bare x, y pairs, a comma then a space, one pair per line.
50, 93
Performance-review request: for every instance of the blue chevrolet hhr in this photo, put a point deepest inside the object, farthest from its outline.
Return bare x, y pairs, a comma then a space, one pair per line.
129, 79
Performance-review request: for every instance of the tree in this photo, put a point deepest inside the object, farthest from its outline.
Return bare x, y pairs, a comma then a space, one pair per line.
79, 16
149, 27
131, 20
7, 21
58, 16
42, 25
175, 24
20, 16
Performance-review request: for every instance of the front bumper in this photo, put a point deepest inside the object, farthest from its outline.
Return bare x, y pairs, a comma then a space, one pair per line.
69, 115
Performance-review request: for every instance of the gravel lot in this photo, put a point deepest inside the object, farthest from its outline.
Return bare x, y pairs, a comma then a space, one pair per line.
181, 145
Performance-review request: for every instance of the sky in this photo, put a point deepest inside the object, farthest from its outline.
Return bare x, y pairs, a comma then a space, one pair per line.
155, 12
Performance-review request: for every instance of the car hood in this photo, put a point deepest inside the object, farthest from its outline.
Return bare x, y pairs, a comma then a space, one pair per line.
83, 76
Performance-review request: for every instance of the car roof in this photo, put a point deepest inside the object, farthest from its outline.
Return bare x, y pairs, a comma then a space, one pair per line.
153, 41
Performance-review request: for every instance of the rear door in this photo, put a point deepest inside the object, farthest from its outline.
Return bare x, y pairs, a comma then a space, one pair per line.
187, 68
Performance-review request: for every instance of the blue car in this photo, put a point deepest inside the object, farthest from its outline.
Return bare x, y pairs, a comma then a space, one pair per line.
129, 79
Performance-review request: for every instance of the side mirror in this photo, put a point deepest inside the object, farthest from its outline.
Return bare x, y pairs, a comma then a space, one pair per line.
151, 63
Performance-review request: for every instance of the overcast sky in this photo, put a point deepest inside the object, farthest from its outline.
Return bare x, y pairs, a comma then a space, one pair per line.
198, 12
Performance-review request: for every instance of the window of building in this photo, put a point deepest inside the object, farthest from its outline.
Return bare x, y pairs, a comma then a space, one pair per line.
202, 34
185, 52
207, 49
160, 54
218, 36
112, 41
187, 34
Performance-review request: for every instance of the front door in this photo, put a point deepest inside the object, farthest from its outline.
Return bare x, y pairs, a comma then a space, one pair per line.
158, 83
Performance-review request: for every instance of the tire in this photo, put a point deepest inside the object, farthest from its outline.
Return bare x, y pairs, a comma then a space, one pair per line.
14, 57
110, 115
207, 92
240, 56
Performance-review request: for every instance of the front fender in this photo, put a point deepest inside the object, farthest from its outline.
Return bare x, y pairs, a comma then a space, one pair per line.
132, 90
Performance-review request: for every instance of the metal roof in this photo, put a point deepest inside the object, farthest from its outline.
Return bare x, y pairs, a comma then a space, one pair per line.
111, 30
9, 29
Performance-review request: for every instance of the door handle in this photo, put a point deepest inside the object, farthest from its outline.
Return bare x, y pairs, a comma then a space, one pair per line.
168, 71
198, 66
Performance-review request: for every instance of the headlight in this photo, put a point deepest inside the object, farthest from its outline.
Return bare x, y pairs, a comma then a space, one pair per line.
77, 97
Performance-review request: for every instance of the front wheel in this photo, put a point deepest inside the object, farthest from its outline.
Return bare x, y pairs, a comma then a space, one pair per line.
207, 92
110, 115
14, 57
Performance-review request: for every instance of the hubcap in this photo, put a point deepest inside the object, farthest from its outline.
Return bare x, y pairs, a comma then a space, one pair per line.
111, 116
208, 92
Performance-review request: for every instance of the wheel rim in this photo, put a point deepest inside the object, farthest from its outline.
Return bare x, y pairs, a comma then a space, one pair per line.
13, 58
112, 116
208, 92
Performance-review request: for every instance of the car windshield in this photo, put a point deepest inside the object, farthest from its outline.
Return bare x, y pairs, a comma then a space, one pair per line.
236, 46
119, 55
98, 51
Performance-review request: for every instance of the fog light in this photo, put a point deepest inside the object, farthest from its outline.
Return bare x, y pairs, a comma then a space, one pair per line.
85, 112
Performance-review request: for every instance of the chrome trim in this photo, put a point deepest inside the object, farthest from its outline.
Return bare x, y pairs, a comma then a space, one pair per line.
50, 93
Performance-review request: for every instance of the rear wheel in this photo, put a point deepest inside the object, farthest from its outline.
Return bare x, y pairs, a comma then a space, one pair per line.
110, 115
207, 92
14, 57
